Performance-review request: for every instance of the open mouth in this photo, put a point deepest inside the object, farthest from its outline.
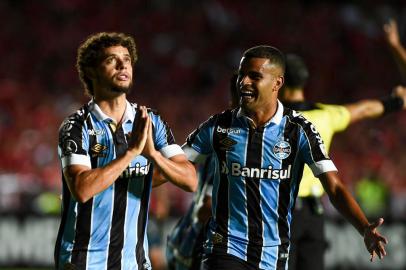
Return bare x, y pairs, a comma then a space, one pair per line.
247, 94
122, 77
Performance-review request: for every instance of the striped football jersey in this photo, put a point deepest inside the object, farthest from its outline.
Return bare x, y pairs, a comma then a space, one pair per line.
256, 180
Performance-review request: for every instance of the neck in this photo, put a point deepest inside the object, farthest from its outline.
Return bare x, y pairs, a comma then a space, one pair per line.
261, 116
293, 95
112, 107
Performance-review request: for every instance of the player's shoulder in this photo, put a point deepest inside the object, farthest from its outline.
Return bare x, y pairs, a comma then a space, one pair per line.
77, 118
294, 116
153, 113
222, 116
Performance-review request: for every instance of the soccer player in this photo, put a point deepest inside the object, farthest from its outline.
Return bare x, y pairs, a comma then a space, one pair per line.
259, 150
108, 149
185, 242
307, 238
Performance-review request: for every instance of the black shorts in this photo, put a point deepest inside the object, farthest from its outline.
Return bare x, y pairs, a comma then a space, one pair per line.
231, 262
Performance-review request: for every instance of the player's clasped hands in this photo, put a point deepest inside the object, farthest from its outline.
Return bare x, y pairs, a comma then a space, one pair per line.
374, 241
139, 136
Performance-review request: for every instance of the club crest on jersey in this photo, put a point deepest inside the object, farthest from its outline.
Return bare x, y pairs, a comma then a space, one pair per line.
282, 149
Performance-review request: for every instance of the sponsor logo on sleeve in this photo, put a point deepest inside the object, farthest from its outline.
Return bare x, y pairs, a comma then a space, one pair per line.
69, 147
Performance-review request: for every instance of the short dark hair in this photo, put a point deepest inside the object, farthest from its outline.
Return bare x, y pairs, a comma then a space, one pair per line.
269, 52
90, 53
296, 74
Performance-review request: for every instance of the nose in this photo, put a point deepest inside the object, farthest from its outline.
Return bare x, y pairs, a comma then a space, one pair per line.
120, 64
245, 80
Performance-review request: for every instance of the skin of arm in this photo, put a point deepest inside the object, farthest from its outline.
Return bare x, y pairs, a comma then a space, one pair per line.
392, 38
177, 169
372, 108
365, 109
84, 182
158, 178
343, 201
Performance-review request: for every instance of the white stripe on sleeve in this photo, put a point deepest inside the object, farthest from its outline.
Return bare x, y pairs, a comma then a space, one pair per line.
193, 155
322, 166
171, 150
75, 159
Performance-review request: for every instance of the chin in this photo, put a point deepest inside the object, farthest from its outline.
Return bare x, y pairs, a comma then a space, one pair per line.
121, 89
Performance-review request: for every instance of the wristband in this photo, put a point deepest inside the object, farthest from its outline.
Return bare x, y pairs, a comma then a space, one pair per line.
392, 104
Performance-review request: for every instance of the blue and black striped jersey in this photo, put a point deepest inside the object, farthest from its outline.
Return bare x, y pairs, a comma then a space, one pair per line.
107, 231
256, 179
186, 239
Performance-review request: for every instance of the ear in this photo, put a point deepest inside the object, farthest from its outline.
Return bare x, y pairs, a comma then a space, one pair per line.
278, 83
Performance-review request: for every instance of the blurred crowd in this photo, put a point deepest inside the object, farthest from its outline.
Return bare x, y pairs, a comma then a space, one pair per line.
187, 52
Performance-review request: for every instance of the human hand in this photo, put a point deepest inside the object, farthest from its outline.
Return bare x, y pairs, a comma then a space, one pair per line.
400, 91
139, 132
374, 241
149, 149
391, 33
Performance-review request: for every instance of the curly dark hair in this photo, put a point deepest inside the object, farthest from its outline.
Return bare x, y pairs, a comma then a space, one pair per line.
90, 53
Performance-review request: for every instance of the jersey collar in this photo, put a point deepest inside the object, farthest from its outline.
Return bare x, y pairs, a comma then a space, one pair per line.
101, 116
276, 119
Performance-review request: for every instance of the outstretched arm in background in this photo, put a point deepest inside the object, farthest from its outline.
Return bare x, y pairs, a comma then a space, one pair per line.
372, 108
343, 201
392, 38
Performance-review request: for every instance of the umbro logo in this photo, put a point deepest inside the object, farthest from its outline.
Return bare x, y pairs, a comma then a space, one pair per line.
97, 150
227, 144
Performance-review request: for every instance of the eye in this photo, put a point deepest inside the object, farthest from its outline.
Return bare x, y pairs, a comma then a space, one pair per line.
127, 59
255, 77
110, 60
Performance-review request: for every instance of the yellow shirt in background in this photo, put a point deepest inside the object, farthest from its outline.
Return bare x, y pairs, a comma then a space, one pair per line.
328, 119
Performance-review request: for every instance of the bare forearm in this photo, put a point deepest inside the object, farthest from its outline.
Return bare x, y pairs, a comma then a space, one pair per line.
181, 173
84, 184
364, 109
158, 179
343, 201
350, 209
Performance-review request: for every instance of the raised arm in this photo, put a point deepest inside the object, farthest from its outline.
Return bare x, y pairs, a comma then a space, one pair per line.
392, 38
343, 201
372, 108
84, 182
